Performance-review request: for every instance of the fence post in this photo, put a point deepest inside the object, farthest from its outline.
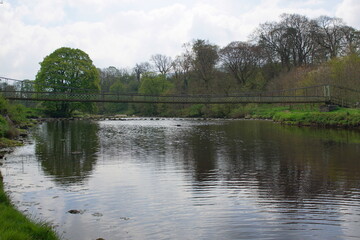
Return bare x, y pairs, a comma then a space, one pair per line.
6, 88
22, 89
327, 93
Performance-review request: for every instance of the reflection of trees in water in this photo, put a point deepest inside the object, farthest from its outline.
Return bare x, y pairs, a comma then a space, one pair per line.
67, 149
276, 161
121, 142
200, 153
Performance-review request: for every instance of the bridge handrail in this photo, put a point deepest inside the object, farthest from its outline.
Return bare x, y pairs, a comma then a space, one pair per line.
148, 95
283, 93
231, 94
346, 88
32, 82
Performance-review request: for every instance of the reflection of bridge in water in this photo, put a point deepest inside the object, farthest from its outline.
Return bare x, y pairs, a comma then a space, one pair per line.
24, 90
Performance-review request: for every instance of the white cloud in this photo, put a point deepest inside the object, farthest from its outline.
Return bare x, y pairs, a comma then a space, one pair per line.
123, 32
349, 11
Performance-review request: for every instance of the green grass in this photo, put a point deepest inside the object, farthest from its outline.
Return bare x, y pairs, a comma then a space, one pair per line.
347, 118
15, 226
301, 114
9, 143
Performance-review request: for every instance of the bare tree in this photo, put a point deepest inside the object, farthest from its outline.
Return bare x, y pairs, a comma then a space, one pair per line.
241, 59
352, 40
330, 35
205, 57
273, 38
182, 68
108, 76
300, 39
297, 40
141, 68
162, 63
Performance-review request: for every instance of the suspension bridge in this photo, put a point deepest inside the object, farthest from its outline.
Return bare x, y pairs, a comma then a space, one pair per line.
13, 89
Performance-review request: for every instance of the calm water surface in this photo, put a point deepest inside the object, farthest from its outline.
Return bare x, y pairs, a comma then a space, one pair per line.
184, 179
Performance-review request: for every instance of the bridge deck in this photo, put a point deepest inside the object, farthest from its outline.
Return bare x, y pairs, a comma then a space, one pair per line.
170, 99
313, 94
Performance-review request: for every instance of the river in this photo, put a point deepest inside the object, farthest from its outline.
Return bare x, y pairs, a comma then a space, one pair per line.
188, 179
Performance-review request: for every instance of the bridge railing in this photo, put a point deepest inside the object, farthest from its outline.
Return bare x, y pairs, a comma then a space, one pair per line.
345, 97
138, 98
24, 90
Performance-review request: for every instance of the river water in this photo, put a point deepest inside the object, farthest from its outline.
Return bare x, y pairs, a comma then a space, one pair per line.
189, 179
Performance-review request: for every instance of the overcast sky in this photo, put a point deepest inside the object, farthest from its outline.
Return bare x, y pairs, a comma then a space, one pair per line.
121, 33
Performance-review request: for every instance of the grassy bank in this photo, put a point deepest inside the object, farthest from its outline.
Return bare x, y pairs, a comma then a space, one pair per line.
13, 121
300, 114
342, 118
15, 226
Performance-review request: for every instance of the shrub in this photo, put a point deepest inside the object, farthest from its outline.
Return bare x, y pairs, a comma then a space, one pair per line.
196, 110
4, 127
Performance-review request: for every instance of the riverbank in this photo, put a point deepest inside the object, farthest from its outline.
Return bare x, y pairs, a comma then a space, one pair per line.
14, 225
310, 116
299, 114
14, 122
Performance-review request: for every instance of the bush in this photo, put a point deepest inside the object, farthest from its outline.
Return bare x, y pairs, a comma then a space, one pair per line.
196, 110
17, 113
10, 117
4, 127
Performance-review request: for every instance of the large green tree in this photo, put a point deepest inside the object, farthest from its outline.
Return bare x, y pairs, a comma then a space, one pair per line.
67, 70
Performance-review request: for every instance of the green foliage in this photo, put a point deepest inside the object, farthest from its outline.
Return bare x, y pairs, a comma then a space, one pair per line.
132, 86
10, 116
255, 111
345, 71
117, 88
154, 85
17, 113
301, 114
282, 56
205, 57
9, 143
4, 126
34, 112
219, 110
257, 83
341, 71
15, 226
267, 111
3, 106
336, 119
67, 70
196, 110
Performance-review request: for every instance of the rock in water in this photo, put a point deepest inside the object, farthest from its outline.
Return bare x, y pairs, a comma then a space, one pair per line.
74, 211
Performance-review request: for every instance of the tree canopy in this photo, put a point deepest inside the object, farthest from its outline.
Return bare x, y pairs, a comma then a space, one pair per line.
294, 51
67, 70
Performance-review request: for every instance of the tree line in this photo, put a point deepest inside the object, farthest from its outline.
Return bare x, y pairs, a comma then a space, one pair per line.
293, 52
278, 55
273, 48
